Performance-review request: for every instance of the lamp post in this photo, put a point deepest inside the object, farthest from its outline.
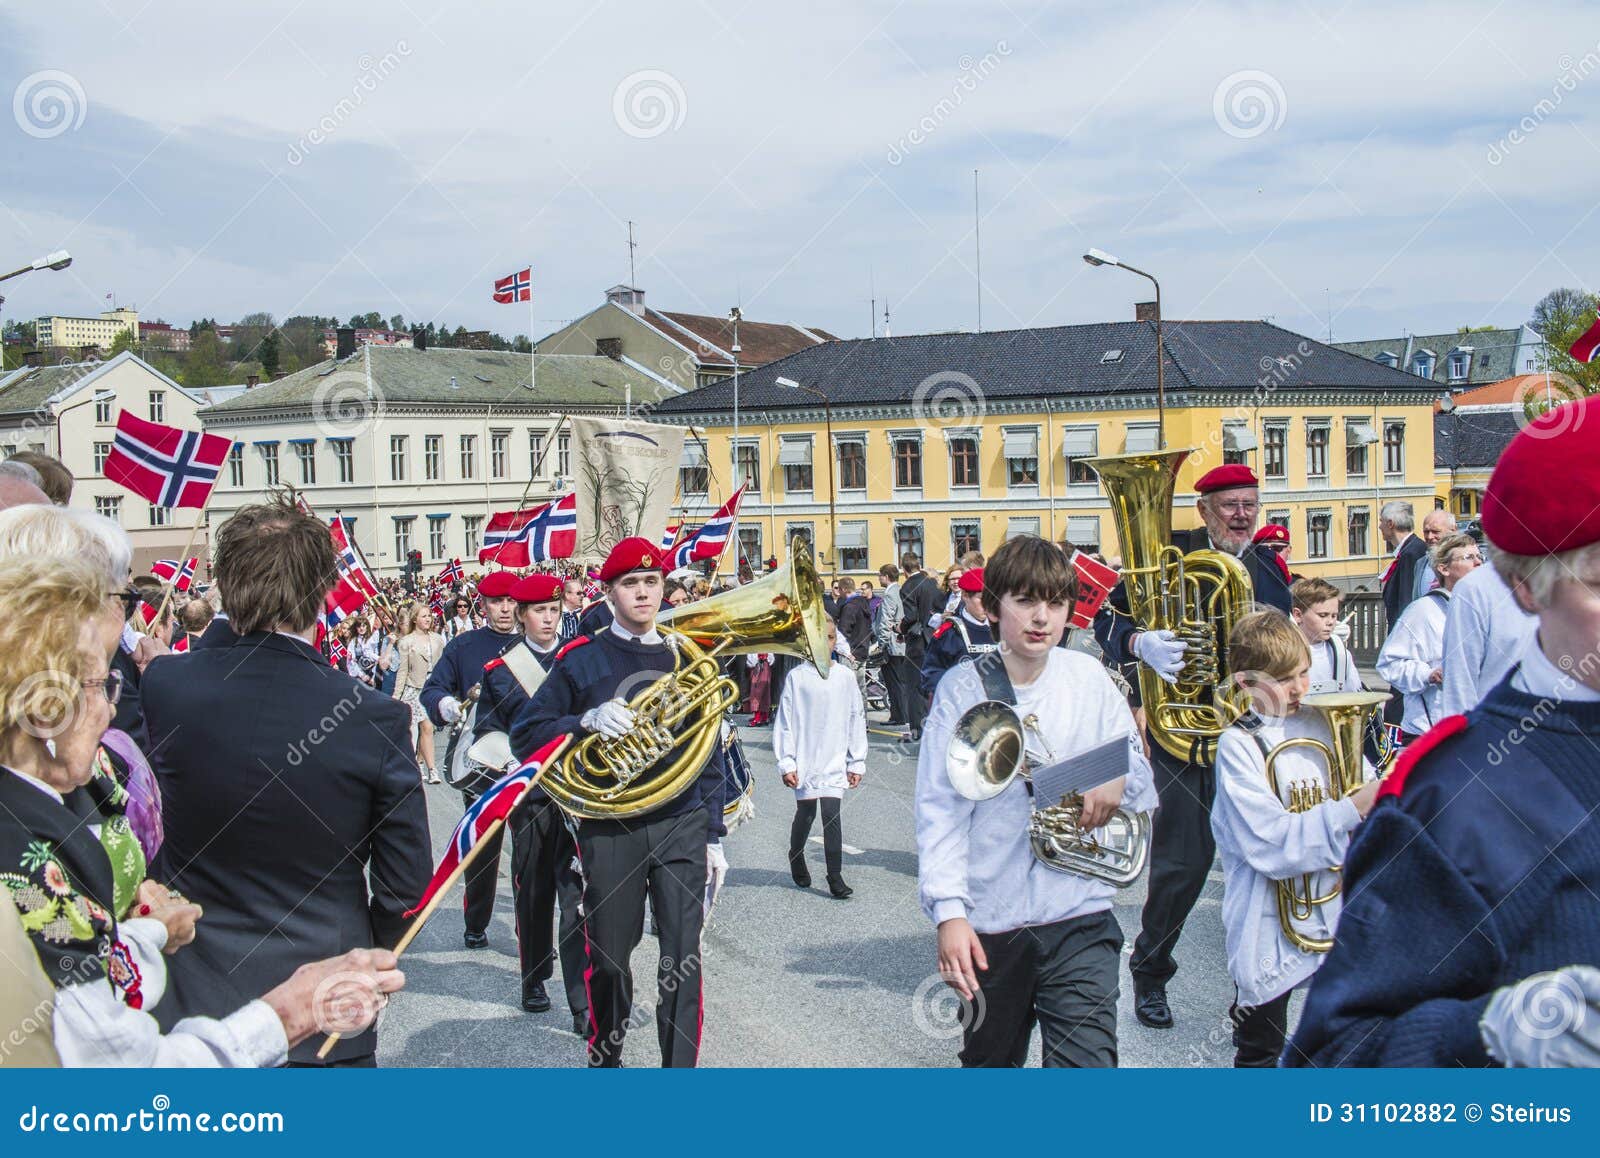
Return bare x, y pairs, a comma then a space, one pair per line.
60, 259
827, 420
738, 548
1101, 257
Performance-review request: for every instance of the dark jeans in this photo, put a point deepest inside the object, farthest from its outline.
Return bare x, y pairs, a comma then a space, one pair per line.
913, 702
483, 878
542, 872
1181, 851
1062, 976
1259, 1032
894, 688
805, 813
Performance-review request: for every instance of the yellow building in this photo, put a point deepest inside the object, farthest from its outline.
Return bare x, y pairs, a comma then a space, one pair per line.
946, 442
78, 332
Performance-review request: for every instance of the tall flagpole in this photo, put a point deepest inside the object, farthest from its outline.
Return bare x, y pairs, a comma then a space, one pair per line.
533, 345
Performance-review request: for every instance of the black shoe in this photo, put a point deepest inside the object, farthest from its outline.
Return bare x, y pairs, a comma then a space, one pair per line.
914, 736
475, 940
580, 1024
799, 871
534, 998
1151, 1008
838, 888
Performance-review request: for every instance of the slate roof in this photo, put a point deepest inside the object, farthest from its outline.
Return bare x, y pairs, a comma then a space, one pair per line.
1493, 357
26, 389
1054, 361
1473, 438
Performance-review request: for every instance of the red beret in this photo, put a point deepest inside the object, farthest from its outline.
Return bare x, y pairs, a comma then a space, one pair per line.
635, 554
971, 580
536, 588
1226, 477
1272, 533
496, 584
1540, 499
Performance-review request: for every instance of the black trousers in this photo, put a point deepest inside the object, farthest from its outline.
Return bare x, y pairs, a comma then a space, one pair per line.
1181, 851
893, 687
914, 703
542, 872
1062, 976
622, 862
805, 814
1259, 1032
483, 877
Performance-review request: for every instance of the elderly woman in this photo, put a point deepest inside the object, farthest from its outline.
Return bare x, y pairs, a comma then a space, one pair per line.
1412, 658
56, 696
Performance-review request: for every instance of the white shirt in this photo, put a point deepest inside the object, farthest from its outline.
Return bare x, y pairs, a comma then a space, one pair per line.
1485, 633
1261, 842
1539, 677
1415, 647
820, 731
651, 636
973, 857
1329, 660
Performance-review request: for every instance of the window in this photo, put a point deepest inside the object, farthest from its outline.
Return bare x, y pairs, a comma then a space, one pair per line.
564, 455
794, 456
1274, 455
536, 453
964, 460
1317, 523
344, 458
1422, 364
1316, 450
1357, 437
1389, 359
437, 525
1078, 445
805, 532
109, 506
397, 465
160, 516
104, 404
1144, 438
908, 537
158, 406
748, 455
498, 440
469, 456
1021, 450
965, 535
852, 464
430, 456
1466, 503
306, 452
402, 533
1083, 532
750, 545
269, 462
471, 525
1459, 365
102, 451
852, 547
1394, 448
907, 461
694, 477
1359, 521
1237, 443
1019, 527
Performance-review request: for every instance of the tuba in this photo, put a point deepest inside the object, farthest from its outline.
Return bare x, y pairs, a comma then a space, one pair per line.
604, 779
1345, 714
988, 749
1198, 596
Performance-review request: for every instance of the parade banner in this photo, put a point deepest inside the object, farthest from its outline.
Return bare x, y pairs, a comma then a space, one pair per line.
626, 474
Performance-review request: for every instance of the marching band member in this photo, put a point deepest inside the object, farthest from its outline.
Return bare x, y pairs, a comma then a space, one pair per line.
1316, 614
542, 852
1468, 935
445, 696
1042, 946
662, 853
964, 634
1262, 842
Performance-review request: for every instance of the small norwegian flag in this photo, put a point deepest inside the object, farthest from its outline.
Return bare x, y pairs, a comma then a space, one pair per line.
516, 539
337, 653
168, 571
711, 539
179, 646
343, 601
147, 613
592, 590
671, 537
516, 287
453, 573
165, 465
348, 556
1585, 348
1095, 581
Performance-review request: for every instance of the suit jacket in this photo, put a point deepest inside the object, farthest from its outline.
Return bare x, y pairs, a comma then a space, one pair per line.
1400, 585
920, 601
218, 633
286, 785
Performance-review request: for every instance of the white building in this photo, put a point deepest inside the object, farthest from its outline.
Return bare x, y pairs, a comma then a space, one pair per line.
417, 446
59, 331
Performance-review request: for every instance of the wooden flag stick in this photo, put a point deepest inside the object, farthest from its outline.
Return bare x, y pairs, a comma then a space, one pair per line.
456, 874
183, 557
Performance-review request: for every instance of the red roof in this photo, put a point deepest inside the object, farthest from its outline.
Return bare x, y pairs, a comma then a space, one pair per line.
1519, 390
711, 338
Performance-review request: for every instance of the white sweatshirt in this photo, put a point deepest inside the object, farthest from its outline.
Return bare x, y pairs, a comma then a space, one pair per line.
820, 731
1414, 648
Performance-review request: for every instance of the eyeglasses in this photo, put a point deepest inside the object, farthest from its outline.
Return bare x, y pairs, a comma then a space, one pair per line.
1475, 559
111, 686
1238, 508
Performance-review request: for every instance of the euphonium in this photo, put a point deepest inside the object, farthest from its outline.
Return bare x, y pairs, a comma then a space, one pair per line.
1198, 596
604, 779
1345, 714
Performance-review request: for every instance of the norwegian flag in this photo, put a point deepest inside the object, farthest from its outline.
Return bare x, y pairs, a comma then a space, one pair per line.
351, 565
168, 571
671, 536
516, 287
592, 590
1585, 348
520, 538
165, 465
436, 604
147, 613
337, 652
343, 601
1095, 581
454, 573
710, 540
495, 804
181, 645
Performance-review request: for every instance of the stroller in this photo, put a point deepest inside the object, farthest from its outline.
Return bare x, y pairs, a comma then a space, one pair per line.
873, 690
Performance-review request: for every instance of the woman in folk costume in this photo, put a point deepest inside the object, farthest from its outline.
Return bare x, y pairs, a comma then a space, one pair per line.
819, 758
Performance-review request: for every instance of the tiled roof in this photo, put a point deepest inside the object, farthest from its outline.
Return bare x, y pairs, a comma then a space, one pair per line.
759, 342
1493, 357
1518, 390
1473, 438
1054, 361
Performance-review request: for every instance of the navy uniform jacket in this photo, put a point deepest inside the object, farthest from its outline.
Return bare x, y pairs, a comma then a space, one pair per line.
956, 639
591, 670
1474, 871
595, 617
502, 696
461, 665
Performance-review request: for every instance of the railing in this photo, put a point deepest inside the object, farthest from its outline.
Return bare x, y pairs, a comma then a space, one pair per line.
1368, 627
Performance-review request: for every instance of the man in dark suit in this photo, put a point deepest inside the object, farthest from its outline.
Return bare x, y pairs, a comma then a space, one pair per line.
293, 812
1181, 843
920, 601
1396, 521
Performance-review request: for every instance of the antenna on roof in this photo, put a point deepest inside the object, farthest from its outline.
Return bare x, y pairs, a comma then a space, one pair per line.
885, 317
632, 245
977, 248
872, 303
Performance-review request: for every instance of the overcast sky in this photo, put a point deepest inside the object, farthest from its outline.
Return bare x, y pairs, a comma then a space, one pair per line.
1264, 160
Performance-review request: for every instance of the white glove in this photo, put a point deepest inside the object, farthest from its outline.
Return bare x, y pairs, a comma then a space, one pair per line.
1341, 631
716, 872
1161, 652
450, 709
612, 719
1549, 1019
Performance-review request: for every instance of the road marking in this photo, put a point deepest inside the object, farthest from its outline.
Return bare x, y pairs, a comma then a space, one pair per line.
849, 848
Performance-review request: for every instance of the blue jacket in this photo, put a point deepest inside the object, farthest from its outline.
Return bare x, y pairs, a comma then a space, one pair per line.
460, 667
956, 639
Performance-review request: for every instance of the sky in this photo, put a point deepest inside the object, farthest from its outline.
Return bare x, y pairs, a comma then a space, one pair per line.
1375, 169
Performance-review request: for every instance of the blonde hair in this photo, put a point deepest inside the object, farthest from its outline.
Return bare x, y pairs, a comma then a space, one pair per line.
1267, 643
49, 604
1440, 552
1307, 593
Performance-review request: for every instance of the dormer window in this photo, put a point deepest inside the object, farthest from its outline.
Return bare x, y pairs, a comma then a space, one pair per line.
1459, 365
1422, 364
1389, 359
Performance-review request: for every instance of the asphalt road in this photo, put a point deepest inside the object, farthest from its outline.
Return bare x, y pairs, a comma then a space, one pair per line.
793, 977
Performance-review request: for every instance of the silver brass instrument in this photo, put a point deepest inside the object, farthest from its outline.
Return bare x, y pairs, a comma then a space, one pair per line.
988, 749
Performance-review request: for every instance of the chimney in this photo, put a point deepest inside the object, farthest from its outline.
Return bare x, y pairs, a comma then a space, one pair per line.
251, 381
1145, 312
347, 342
419, 338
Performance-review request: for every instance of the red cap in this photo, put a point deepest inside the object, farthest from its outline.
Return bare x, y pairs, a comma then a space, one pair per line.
1272, 533
1540, 499
496, 584
536, 588
1226, 477
635, 554
971, 581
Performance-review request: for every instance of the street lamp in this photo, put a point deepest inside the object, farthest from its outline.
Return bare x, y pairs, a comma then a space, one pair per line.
734, 315
1099, 257
60, 259
827, 419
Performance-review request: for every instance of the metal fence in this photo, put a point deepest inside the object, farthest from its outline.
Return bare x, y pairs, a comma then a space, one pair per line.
1368, 627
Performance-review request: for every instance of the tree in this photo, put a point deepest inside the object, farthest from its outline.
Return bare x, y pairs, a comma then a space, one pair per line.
123, 341
206, 365
397, 321
269, 355
1561, 317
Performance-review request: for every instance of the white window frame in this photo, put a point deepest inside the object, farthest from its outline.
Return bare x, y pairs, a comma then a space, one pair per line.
109, 507
866, 547
399, 449
1325, 426
1019, 489
344, 458
499, 451
801, 443
839, 442
469, 456
1071, 437
438, 538
305, 454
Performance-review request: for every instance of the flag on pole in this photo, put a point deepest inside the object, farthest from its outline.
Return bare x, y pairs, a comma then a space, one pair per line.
516, 287
343, 601
452, 573
1095, 581
711, 539
1585, 348
348, 556
671, 537
168, 571
179, 646
337, 653
165, 465
519, 538
495, 804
